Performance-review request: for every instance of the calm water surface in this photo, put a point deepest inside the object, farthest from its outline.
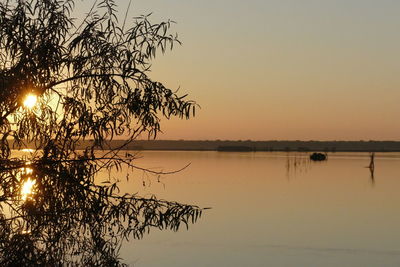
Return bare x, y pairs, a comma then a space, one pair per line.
273, 209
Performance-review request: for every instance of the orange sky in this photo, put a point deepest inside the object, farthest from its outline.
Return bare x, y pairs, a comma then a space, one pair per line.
283, 69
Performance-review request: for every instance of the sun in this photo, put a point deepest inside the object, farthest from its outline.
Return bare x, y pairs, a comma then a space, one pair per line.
30, 101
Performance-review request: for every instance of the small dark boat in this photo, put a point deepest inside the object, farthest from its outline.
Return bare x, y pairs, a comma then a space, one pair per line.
317, 157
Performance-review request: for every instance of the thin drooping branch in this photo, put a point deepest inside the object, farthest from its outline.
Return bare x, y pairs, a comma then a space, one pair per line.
91, 76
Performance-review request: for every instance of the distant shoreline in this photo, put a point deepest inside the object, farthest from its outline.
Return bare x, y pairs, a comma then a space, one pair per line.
251, 146
254, 146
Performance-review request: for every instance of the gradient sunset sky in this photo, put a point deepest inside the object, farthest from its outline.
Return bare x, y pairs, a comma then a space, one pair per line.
282, 69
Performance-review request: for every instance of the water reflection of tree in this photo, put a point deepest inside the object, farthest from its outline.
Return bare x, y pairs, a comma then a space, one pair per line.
91, 81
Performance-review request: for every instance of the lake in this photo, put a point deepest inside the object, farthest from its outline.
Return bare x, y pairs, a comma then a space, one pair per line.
272, 209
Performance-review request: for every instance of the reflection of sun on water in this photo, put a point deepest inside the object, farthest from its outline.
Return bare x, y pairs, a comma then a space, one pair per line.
28, 150
27, 187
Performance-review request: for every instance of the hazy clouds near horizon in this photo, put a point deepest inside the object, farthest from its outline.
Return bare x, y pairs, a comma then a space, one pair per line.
282, 69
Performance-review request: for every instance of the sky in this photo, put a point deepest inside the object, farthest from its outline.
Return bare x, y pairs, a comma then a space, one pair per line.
281, 69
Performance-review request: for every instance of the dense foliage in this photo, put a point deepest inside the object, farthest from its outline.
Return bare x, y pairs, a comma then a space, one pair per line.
91, 80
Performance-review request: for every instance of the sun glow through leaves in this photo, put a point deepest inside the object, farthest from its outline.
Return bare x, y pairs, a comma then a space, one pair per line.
30, 101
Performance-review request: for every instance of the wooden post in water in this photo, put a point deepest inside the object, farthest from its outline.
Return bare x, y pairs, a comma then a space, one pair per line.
372, 165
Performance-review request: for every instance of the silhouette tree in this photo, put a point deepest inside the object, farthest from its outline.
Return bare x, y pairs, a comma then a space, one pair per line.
63, 82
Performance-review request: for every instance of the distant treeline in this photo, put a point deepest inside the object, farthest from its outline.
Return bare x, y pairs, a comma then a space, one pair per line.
218, 145
251, 146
